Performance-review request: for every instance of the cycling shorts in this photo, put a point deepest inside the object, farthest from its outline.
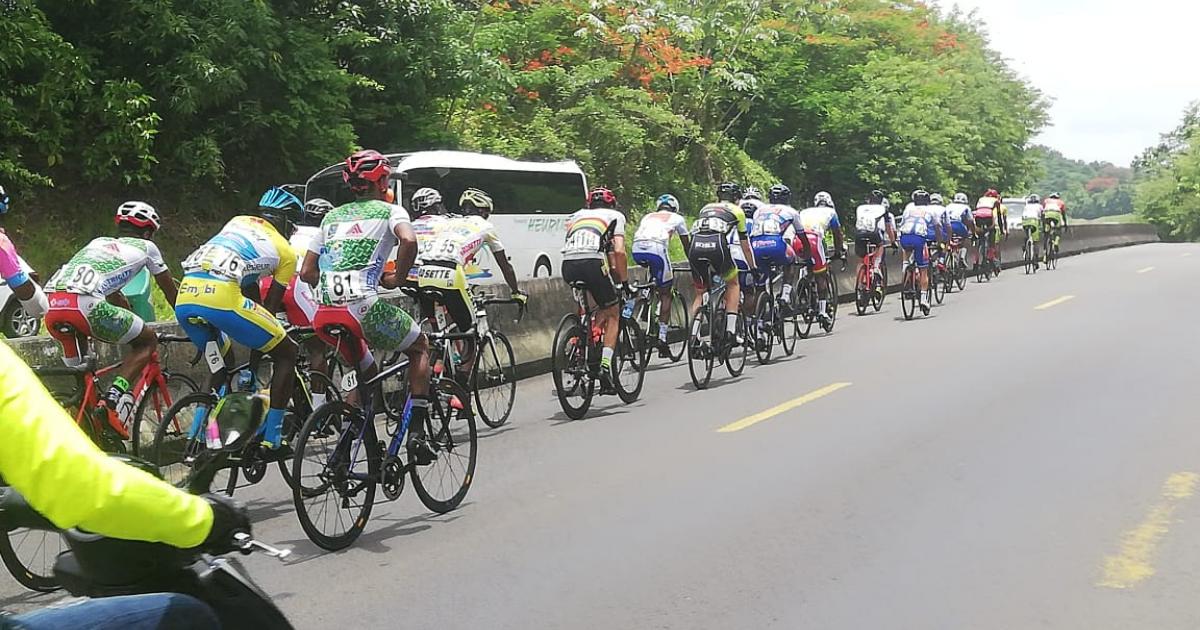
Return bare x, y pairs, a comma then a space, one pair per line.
816, 247
445, 283
1052, 223
958, 228
916, 243
372, 323
299, 303
90, 316
864, 239
983, 214
205, 303
771, 251
1032, 225
746, 277
653, 255
709, 256
592, 275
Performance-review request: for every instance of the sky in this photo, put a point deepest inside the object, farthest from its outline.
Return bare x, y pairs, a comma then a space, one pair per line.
1119, 73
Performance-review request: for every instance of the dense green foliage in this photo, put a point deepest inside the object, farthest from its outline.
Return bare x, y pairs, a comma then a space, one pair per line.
1168, 188
197, 105
1092, 189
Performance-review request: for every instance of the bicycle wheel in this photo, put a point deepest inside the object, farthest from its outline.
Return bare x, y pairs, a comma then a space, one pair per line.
831, 305
677, 327
443, 485
785, 329
495, 380
699, 349
629, 371
908, 294
336, 471
152, 408
735, 353
960, 275
763, 328
180, 439
806, 298
937, 285
573, 383
29, 555
863, 295
646, 315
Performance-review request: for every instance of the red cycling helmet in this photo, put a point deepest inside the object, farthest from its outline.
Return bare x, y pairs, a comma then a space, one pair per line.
364, 168
602, 198
992, 193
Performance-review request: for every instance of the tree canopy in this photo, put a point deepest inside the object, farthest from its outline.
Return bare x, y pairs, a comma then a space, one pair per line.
1093, 189
1168, 187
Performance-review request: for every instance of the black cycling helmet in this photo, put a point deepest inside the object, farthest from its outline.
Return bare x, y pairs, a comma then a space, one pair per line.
1055, 195
282, 209
921, 197
749, 207
780, 194
729, 191
876, 197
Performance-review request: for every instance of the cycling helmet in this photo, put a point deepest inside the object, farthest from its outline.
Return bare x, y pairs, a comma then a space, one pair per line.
366, 168
729, 191
281, 208
473, 200
1055, 195
920, 197
961, 198
823, 199
669, 202
780, 194
426, 201
317, 208
602, 198
1033, 199
936, 199
876, 197
139, 214
3, 201
991, 192
752, 192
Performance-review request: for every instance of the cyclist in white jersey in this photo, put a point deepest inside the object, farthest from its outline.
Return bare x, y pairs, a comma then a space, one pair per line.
873, 222
962, 221
916, 225
651, 243
818, 221
86, 301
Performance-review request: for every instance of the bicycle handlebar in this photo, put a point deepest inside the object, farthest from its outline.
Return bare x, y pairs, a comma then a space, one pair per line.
166, 338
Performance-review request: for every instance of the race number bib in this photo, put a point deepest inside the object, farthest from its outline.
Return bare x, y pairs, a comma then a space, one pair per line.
713, 224
767, 227
444, 249
582, 241
344, 286
82, 280
217, 261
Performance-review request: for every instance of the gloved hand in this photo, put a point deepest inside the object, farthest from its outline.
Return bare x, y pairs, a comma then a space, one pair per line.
519, 297
229, 518
625, 291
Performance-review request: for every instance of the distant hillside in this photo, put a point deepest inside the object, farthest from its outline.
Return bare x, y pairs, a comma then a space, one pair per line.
1091, 189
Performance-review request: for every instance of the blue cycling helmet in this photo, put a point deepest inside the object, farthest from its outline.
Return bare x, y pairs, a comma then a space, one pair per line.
669, 201
3, 201
281, 208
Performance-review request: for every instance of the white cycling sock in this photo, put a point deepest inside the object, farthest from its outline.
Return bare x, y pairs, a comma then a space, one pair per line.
822, 305
318, 399
787, 292
731, 322
662, 332
606, 356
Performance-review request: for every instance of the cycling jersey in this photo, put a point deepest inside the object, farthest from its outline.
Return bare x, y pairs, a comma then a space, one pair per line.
299, 300
874, 219
13, 269
651, 242
67, 479
921, 221
716, 235
1056, 210
105, 265
957, 213
986, 207
1032, 212
458, 239
820, 220
590, 232
771, 235
941, 219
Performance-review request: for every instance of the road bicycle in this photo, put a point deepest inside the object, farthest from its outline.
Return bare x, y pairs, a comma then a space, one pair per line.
1027, 251
1052, 242
710, 343
910, 292
870, 286
939, 273
29, 553
774, 320
577, 347
989, 267
181, 439
645, 312
956, 276
154, 392
808, 300
339, 462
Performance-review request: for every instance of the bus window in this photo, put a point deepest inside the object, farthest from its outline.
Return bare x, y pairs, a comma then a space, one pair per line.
512, 192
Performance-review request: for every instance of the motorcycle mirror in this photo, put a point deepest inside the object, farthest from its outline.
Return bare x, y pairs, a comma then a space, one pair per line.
237, 418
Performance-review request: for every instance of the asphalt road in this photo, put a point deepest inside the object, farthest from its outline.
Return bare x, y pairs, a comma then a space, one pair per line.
994, 465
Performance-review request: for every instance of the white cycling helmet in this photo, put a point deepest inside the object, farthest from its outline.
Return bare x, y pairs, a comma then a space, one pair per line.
961, 198
823, 199
475, 199
424, 199
140, 214
936, 199
669, 201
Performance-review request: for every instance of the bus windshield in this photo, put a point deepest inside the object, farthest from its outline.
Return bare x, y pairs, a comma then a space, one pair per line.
512, 192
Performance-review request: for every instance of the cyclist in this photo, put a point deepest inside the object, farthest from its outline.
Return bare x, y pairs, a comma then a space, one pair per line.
986, 214
719, 229
937, 204
428, 220
41, 449
873, 222
819, 220
651, 243
773, 236
453, 248
1033, 219
751, 201
1056, 215
594, 255
220, 301
16, 273
346, 261
86, 302
916, 223
962, 221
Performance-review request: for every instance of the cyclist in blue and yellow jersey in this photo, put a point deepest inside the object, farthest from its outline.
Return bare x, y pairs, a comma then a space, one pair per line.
818, 221
719, 230
219, 300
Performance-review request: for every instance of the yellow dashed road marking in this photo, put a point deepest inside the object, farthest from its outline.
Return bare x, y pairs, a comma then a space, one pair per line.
1132, 564
750, 421
1054, 302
